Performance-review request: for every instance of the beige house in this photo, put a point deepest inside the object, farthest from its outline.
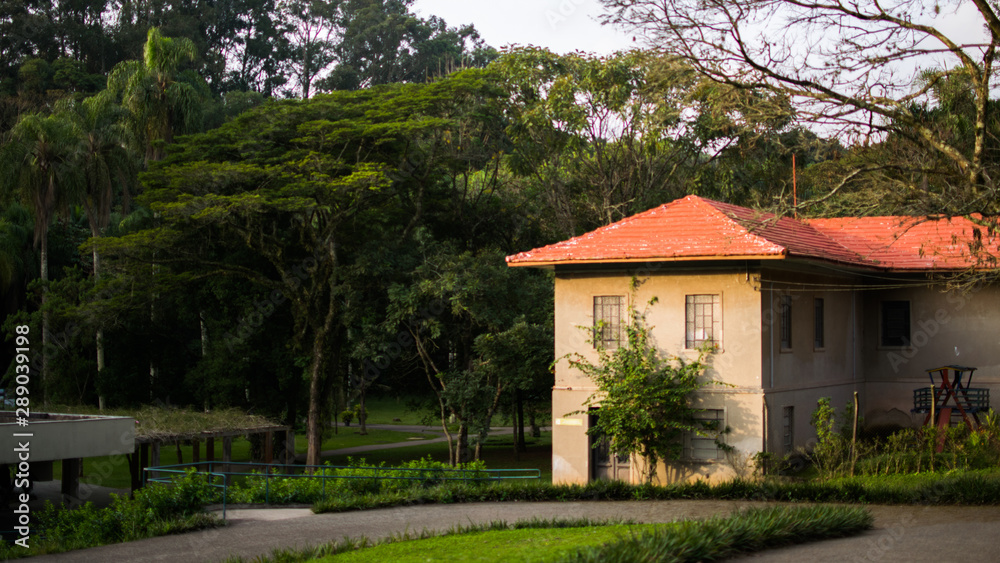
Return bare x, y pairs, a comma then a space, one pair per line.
798, 310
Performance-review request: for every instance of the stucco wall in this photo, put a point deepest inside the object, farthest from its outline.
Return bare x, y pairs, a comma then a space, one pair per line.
737, 362
945, 328
799, 376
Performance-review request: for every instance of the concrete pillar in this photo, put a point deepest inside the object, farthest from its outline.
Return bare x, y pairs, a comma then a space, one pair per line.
143, 462
227, 451
71, 477
289, 450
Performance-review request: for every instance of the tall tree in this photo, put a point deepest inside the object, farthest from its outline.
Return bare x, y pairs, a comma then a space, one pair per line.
107, 166
313, 31
283, 195
603, 138
383, 41
161, 103
38, 166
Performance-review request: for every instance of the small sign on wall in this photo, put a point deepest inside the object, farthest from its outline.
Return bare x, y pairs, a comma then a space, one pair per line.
569, 422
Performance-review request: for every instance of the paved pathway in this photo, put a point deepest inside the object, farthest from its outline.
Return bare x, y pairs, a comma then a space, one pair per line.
903, 533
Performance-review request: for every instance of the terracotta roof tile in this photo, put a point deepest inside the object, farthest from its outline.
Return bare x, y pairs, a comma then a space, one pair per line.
695, 228
914, 243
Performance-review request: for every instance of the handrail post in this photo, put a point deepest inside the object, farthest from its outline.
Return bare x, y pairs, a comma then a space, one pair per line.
225, 489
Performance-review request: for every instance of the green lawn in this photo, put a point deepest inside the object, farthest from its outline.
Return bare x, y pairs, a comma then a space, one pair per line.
385, 410
545, 544
498, 453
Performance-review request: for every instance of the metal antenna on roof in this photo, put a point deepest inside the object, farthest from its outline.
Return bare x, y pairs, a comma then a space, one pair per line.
795, 191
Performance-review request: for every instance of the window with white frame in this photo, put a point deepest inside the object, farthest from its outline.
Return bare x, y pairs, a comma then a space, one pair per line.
704, 447
703, 321
608, 320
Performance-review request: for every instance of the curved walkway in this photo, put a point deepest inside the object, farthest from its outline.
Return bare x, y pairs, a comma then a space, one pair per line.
903, 533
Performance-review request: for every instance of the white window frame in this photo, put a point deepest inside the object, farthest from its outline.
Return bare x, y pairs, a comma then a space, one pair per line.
695, 335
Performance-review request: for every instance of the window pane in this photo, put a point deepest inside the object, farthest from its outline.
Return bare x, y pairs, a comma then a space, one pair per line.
785, 318
895, 323
820, 339
704, 448
608, 320
703, 320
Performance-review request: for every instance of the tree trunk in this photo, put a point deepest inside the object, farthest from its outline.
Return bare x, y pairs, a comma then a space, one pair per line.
99, 336
519, 421
45, 316
314, 433
462, 450
318, 390
362, 414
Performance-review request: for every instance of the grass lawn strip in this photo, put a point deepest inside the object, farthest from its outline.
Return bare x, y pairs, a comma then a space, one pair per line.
563, 541
545, 544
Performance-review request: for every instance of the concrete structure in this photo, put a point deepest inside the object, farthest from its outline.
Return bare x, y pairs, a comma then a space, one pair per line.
798, 310
67, 438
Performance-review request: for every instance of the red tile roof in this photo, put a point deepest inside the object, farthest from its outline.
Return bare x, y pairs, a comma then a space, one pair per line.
915, 243
695, 228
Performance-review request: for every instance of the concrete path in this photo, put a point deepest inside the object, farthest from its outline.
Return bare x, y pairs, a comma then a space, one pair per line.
903, 533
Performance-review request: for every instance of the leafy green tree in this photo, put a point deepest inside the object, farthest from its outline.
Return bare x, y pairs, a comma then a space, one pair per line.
284, 195
107, 165
602, 138
644, 398
383, 41
313, 29
470, 317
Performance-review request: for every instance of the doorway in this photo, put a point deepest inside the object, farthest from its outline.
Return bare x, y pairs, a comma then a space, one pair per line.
604, 465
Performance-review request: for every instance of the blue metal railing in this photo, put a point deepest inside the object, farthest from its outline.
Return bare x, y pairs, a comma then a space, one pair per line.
223, 470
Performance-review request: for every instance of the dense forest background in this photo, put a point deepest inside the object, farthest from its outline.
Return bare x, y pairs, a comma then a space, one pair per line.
284, 206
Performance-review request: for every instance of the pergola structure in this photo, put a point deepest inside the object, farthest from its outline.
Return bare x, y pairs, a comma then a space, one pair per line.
148, 447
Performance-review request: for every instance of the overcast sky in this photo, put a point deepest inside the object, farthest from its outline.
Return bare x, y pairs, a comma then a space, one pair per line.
561, 25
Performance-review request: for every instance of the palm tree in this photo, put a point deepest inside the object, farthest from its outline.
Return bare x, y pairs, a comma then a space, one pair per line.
107, 166
159, 103
38, 166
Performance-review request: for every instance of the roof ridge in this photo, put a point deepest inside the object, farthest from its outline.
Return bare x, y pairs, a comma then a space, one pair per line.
763, 217
714, 206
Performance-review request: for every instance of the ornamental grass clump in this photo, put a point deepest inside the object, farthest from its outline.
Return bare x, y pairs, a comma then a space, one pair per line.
743, 532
